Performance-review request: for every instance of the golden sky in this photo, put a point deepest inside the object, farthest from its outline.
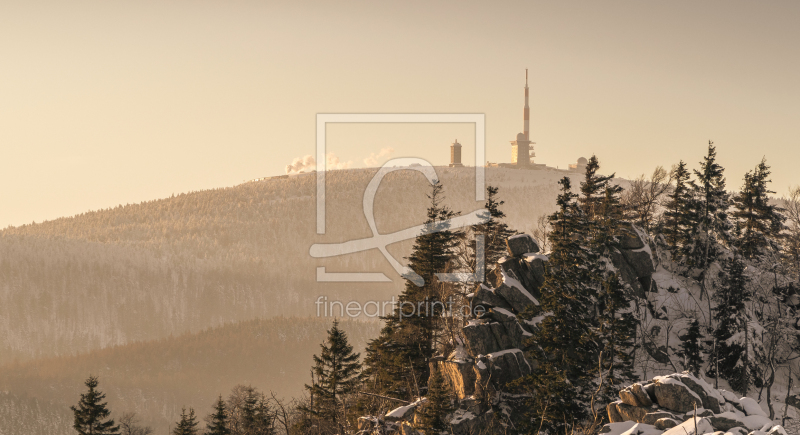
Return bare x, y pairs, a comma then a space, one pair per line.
110, 102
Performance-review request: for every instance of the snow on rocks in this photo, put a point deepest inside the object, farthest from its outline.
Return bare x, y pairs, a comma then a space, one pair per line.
675, 395
751, 407
405, 411
678, 402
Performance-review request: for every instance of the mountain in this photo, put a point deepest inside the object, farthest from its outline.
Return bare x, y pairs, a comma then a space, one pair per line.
144, 271
156, 379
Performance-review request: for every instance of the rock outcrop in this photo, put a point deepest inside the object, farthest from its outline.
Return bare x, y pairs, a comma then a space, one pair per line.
683, 402
493, 354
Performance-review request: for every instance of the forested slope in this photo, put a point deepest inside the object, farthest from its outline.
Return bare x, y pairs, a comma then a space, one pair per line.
195, 260
155, 379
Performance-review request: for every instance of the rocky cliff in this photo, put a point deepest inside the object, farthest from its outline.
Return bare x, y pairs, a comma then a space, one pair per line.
494, 347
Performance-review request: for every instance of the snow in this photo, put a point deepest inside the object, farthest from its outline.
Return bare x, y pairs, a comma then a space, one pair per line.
459, 354
529, 257
642, 429
708, 389
619, 428
475, 322
538, 319
401, 412
687, 427
514, 283
751, 407
729, 397
751, 422
504, 312
631, 428
502, 352
460, 416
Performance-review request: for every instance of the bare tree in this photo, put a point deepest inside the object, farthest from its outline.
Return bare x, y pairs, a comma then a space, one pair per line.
792, 239
541, 233
641, 201
129, 425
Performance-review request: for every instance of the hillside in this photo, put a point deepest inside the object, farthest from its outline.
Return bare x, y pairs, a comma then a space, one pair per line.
155, 379
192, 261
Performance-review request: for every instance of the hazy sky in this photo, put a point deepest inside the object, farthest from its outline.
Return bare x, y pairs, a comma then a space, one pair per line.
112, 102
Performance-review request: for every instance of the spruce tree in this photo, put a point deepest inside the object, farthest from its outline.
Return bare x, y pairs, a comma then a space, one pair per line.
616, 323
710, 226
438, 406
91, 414
759, 223
187, 425
593, 188
397, 360
337, 374
678, 209
565, 344
735, 343
617, 335
691, 348
218, 421
495, 231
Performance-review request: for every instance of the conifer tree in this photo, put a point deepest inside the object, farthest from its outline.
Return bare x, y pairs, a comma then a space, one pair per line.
711, 225
495, 230
758, 222
691, 348
617, 333
593, 188
565, 343
91, 414
678, 213
337, 374
187, 425
218, 421
397, 359
736, 345
438, 405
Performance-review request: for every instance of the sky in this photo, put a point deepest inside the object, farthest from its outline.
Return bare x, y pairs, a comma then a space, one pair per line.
107, 103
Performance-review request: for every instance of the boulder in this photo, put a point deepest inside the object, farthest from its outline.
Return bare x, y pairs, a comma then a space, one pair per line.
459, 376
632, 413
629, 238
518, 297
640, 262
665, 423
487, 298
506, 335
527, 272
751, 407
521, 244
725, 422
701, 412
499, 368
614, 415
710, 397
627, 274
653, 417
635, 395
641, 395
650, 389
480, 339
674, 395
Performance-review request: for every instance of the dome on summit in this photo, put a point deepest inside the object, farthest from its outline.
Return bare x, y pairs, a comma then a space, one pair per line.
582, 161
520, 136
